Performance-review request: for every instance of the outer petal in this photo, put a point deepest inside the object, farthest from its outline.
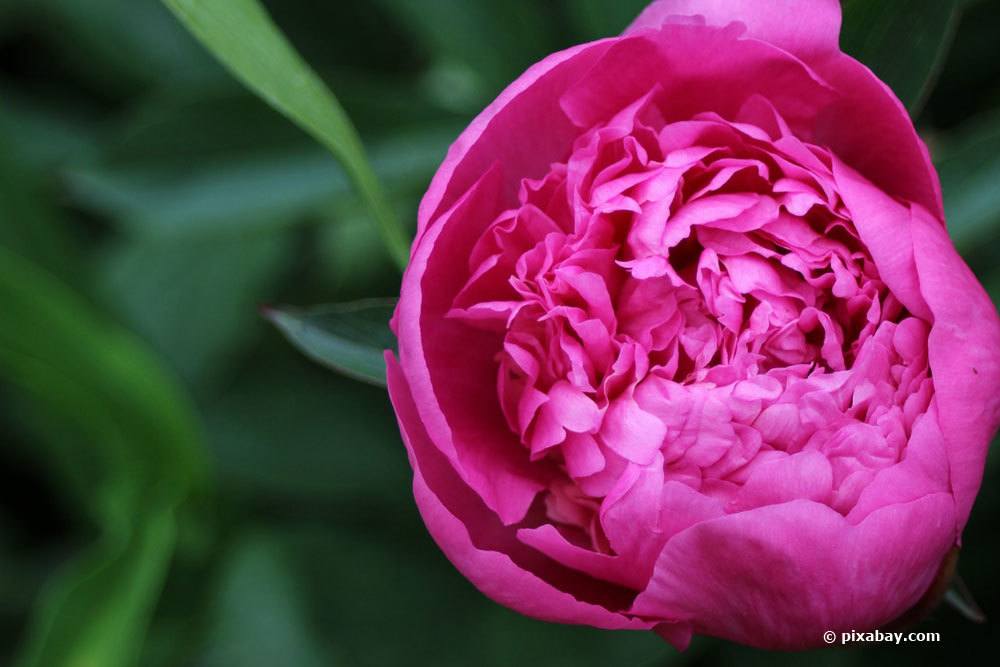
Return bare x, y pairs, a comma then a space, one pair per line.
869, 129
808, 28
484, 551
450, 365
964, 354
697, 68
528, 107
779, 576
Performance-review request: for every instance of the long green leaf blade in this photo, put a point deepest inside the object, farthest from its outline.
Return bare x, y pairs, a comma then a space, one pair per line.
245, 39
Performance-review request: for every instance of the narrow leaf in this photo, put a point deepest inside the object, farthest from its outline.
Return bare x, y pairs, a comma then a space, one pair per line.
349, 338
960, 599
242, 36
904, 43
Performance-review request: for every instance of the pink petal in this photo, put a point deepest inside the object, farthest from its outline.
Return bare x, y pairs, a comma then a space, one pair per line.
567, 409
583, 455
923, 470
885, 228
630, 517
631, 431
720, 72
806, 476
451, 367
869, 129
606, 567
484, 550
807, 28
779, 576
527, 107
962, 350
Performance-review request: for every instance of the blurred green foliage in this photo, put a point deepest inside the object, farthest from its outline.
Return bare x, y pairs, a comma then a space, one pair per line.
177, 485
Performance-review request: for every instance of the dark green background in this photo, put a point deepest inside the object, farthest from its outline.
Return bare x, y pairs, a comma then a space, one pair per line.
139, 175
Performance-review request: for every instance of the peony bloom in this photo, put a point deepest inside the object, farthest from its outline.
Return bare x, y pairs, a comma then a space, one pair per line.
683, 343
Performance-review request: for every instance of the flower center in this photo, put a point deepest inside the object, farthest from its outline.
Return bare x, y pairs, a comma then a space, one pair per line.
692, 298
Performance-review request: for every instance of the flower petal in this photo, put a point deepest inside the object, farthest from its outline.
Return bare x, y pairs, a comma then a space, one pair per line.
485, 551
450, 365
781, 575
962, 350
808, 28
527, 107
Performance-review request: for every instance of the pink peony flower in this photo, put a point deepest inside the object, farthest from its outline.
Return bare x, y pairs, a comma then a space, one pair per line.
684, 344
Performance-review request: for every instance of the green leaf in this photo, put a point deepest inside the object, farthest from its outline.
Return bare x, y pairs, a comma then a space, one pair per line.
243, 37
349, 337
968, 162
135, 457
904, 43
959, 598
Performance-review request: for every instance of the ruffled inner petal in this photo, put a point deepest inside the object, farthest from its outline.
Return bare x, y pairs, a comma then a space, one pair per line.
691, 305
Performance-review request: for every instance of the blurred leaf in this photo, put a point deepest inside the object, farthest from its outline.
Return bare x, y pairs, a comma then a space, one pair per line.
137, 458
349, 255
259, 616
242, 36
196, 299
97, 610
595, 19
992, 284
28, 222
288, 431
42, 134
479, 47
54, 346
172, 196
904, 43
173, 125
968, 162
389, 597
148, 47
969, 84
347, 337
363, 581
173, 199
